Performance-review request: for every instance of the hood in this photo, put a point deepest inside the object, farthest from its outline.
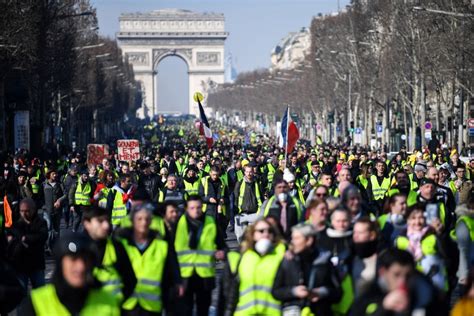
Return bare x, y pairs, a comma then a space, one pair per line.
462, 210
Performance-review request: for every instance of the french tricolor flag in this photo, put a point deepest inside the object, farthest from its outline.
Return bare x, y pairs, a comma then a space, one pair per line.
204, 128
289, 132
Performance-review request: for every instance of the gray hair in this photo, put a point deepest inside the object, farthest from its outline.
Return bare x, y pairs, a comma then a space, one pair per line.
307, 230
148, 207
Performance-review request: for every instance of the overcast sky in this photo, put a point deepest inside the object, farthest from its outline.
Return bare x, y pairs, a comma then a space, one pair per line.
254, 26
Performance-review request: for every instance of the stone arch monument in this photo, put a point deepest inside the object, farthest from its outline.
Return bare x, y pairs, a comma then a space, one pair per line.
196, 38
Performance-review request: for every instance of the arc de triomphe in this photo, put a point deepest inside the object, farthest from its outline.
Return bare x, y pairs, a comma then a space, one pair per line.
197, 38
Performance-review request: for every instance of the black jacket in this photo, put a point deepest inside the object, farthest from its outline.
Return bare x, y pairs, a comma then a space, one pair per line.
51, 195
314, 270
151, 183
11, 291
216, 190
28, 255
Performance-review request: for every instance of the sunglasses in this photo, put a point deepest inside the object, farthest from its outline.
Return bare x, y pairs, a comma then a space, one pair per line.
321, 194
263, 230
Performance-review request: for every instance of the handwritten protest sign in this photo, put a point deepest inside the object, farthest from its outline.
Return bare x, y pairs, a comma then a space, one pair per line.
95, 153
128, 149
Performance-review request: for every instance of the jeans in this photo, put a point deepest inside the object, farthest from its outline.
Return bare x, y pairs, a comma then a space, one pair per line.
241, 223
35, 277
53, 220
67, 215
77, 218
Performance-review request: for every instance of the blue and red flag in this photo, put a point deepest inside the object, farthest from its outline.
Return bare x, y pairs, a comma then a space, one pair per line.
289, 132
204, 128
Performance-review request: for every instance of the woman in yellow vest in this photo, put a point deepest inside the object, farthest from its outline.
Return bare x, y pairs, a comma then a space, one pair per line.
249, 277
73, 290
154, 263
421, 241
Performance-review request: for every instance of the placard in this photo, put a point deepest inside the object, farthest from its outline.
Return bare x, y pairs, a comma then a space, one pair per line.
96, 153
22, 129
128, 149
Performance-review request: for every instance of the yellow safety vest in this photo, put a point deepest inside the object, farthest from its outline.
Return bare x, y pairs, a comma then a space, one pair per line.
378, 191
149, 268
270, 202
119, 209
342, 307
46, 303
242, 192
103, 201
191, 188
413, 184
35, 187
271, 172
363, 181
428, 247
257, 275
469, 221
201, 259
107, 274
240, 175
82, 195
205, 184
428, 244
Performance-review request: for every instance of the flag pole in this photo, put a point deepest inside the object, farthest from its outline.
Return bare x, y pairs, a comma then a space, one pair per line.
287, 127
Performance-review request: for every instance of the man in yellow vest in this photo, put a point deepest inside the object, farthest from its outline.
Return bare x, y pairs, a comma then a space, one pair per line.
113, 269
213, 192
377, 187
248, 200
117, 200
79, 196
73, 290
154, 262
191, 181
198, 243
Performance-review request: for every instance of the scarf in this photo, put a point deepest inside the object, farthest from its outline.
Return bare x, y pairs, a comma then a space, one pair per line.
414, 246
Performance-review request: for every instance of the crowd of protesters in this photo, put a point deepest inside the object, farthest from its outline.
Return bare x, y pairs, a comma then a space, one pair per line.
323, 230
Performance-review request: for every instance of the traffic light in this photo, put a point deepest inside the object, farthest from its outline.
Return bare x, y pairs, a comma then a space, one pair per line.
351, 126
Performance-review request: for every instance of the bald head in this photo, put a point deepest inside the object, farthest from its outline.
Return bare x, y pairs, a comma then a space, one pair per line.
433, 174
344, 175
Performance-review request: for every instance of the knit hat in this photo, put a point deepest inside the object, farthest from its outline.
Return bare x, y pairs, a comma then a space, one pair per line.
427, 181
420, 167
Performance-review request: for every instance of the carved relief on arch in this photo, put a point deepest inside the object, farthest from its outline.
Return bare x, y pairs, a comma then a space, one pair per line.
138, 58
160, 53
208, 58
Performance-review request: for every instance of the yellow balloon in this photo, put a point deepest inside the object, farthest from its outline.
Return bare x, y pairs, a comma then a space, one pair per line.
198, 97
